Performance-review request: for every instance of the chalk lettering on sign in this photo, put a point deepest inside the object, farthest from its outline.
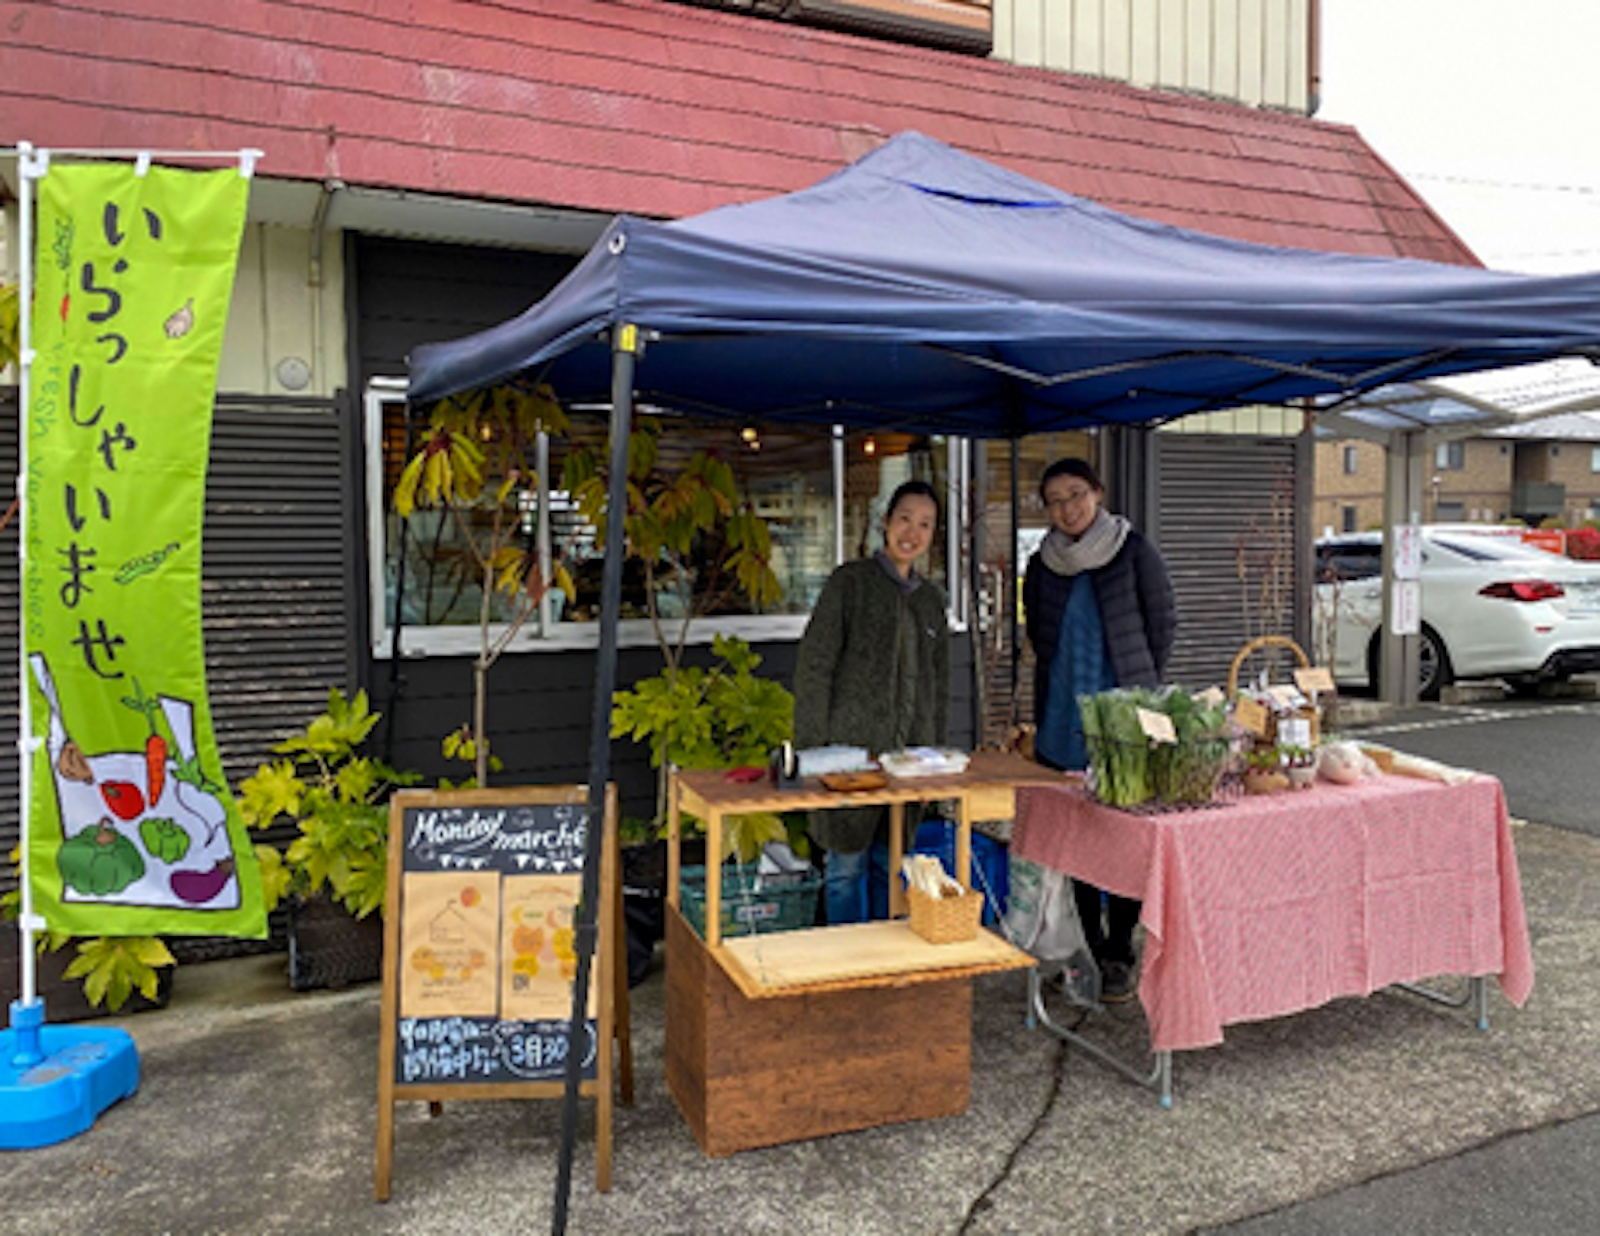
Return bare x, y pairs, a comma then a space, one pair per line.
466, 1049
547, 838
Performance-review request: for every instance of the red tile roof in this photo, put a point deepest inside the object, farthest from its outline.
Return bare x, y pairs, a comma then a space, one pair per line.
663, 110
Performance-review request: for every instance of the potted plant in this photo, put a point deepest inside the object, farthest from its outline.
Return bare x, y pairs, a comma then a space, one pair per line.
1263, 771
722, 717
102, 975
1300, 766
334, 872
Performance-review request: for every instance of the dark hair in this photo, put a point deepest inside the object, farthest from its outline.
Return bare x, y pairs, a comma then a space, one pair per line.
1070, 467
909, 489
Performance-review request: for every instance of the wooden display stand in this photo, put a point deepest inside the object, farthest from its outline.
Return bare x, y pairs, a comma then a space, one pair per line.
784, 1037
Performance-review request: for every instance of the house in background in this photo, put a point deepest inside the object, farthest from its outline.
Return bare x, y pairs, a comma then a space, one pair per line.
1547, 470
434, 168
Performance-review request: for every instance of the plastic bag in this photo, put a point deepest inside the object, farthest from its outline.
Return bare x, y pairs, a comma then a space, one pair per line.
1042, 919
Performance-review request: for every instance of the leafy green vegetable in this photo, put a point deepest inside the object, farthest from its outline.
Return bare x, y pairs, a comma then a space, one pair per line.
1130, 768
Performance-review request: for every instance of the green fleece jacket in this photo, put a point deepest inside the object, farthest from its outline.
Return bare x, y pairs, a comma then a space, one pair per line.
873, 671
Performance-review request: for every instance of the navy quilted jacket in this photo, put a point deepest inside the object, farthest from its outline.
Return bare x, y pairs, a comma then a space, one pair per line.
1136, 608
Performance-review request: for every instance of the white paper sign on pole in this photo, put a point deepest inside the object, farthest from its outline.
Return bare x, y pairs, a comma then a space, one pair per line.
1407, 551
1406, 615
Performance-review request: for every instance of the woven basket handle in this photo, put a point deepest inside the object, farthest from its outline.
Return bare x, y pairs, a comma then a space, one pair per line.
1256, 645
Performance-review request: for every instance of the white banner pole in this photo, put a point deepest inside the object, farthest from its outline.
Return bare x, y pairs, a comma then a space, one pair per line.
31, 166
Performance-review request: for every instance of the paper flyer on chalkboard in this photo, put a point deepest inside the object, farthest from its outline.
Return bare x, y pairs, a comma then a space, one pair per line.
538, 958
450, 926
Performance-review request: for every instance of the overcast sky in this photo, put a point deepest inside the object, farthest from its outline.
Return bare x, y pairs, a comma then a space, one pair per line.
1490, 108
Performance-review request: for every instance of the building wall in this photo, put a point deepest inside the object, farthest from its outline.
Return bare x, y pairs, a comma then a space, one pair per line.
1255, 52
1570, 464
1480, 488
1480, 491
286, 322
1338, 490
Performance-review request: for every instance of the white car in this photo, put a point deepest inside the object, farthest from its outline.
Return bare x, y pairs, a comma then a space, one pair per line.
1491, 608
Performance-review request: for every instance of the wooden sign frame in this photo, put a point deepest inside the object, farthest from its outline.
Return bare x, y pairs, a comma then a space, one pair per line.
609, 978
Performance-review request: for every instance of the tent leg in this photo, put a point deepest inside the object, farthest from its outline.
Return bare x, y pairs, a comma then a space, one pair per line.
624, 356
1014, 590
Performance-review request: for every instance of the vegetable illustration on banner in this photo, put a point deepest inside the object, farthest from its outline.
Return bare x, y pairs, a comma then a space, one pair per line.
131, 828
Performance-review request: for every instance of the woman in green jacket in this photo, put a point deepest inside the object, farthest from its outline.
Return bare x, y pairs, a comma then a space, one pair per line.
873, 671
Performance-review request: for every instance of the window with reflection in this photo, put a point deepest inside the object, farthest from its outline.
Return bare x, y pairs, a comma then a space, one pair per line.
818, 494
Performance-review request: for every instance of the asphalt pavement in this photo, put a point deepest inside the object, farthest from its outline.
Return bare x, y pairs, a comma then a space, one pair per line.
257, 1109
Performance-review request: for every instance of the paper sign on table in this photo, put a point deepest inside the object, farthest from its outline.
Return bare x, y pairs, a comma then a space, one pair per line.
1251, 715
1314, 678
1157, 726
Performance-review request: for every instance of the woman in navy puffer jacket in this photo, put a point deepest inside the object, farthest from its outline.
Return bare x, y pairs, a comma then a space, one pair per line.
1100, 614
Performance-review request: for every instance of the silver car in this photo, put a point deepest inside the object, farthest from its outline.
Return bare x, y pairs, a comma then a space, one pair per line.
1491, 608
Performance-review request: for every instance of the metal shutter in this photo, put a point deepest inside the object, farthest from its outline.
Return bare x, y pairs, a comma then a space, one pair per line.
1215, 498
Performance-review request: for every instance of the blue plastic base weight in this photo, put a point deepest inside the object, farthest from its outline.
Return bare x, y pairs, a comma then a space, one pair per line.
56, 1080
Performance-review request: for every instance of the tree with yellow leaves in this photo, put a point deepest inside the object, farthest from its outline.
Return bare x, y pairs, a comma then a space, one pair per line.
476, 463
694, 534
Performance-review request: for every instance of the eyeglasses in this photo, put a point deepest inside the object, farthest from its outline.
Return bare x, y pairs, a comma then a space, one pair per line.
1070, 498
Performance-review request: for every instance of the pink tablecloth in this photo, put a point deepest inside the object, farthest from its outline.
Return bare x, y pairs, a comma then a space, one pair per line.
1279, 903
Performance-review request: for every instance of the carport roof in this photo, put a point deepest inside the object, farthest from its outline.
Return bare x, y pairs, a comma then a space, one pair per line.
1547, 399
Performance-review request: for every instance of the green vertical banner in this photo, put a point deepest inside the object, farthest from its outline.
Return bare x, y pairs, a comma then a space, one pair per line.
131, 830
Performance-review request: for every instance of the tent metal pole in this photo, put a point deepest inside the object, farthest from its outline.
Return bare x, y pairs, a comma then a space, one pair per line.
977, 549
396, 640
1013, 591
624, 357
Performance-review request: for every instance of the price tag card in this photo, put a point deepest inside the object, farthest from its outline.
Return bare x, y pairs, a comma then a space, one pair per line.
1285, 696
1157, 726
1211, 697
1316, 678
1295, 732
1251, 716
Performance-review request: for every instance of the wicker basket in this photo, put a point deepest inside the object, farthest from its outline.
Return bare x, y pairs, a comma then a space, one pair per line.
945, 920
1273, 641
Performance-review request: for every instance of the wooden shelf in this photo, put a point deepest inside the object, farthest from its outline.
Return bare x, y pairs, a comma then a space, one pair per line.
857, 956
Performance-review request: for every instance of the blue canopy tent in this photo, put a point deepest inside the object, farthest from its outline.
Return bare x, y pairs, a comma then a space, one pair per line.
922, 288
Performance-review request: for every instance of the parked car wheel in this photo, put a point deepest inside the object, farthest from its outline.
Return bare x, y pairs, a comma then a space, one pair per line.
1434, 671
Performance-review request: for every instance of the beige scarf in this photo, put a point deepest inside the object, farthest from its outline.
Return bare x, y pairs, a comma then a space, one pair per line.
1100, 543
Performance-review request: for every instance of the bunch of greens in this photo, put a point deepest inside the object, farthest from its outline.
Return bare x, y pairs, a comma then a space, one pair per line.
1188, 770
1127, 767
1119, 750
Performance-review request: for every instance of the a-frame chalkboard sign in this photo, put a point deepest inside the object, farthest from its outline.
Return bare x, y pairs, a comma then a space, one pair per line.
479, 956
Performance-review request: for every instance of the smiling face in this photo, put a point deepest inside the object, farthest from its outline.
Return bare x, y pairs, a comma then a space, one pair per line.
908, 530
1072, 503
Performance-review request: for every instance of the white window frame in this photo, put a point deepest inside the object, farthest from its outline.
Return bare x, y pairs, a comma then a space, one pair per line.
463, 640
